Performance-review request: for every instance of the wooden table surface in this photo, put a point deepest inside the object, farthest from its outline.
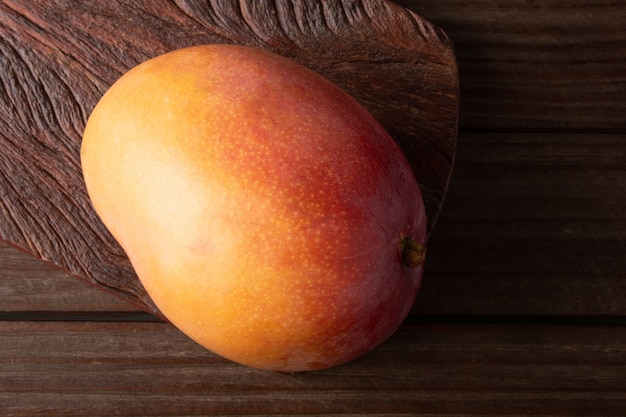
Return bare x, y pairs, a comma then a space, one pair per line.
523, 305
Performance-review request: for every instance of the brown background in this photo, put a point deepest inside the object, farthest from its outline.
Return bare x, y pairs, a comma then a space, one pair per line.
523, 306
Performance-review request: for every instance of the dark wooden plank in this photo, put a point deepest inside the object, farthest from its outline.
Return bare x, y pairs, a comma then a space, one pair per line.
526, 64
146, 369
29, 285
534, 224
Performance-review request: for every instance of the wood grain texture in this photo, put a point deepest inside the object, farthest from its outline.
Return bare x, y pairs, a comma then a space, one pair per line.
57, 59
534, 224
543, 65
152, 369
28, 285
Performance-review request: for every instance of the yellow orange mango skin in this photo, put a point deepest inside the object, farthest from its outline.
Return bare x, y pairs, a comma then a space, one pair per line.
261, 207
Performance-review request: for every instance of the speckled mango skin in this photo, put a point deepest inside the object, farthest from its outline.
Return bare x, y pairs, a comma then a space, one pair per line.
261, 206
